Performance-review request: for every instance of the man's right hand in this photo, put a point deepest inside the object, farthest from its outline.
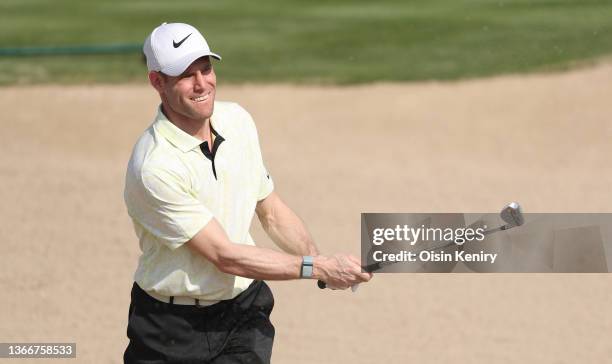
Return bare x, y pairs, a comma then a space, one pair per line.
339, 271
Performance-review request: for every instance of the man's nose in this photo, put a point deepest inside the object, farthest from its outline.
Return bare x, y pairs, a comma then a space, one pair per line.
200, 80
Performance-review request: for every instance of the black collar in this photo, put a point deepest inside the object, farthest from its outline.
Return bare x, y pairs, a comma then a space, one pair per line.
211, 154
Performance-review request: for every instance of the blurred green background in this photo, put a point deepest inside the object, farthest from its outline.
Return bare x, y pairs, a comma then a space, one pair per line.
317, 41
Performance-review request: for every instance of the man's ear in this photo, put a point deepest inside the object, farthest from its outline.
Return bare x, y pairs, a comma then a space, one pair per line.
156, 80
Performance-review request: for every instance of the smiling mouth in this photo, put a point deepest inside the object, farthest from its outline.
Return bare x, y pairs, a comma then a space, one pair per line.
201, 98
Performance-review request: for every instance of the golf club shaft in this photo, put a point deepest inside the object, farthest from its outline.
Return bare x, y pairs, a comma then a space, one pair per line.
379, 265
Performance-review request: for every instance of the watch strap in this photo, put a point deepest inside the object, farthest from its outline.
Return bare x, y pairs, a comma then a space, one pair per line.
307, 264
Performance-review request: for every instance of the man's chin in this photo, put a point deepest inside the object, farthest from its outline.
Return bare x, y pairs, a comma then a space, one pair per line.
201, 115
203, 111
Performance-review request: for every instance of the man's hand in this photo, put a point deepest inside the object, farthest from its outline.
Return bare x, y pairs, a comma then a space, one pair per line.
340, 271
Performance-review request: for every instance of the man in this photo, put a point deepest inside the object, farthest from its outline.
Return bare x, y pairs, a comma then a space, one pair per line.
193, 182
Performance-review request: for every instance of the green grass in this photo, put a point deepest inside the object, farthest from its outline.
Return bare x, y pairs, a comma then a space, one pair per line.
334, 41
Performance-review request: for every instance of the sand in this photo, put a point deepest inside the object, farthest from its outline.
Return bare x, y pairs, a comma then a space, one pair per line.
68, 250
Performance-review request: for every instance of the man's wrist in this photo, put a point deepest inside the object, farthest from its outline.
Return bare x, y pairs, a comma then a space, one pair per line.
317, 267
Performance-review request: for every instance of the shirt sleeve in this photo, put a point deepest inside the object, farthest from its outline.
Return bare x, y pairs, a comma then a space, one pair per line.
264, 180
166, 208
266, 185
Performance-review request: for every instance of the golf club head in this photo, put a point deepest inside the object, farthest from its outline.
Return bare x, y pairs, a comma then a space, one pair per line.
512, 215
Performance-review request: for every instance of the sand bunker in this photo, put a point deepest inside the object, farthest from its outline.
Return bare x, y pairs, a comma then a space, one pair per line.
68, 250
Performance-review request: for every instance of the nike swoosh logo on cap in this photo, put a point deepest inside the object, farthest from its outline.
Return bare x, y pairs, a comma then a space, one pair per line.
176, 45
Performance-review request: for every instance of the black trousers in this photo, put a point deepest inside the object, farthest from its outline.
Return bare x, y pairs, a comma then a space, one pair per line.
232, 331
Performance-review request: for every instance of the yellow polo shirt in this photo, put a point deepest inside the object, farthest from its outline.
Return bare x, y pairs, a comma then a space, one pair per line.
174, 187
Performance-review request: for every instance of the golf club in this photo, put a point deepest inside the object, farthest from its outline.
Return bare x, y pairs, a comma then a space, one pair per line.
511, 215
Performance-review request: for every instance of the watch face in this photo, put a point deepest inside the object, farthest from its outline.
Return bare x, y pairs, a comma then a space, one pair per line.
307, 266
307, 271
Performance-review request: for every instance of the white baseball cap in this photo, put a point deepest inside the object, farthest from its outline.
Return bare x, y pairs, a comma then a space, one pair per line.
171, 48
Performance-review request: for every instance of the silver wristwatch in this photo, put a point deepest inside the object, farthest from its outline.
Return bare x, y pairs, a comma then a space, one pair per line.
306, 271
